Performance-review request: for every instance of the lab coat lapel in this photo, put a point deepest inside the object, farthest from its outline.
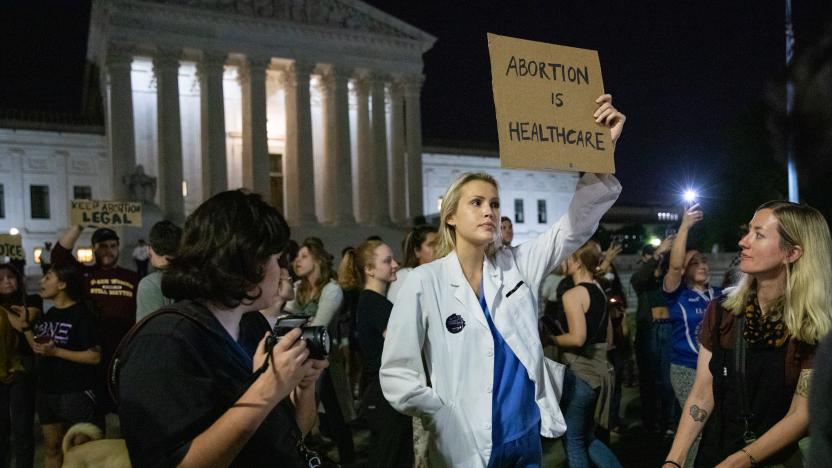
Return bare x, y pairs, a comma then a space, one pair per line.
462, 291
492, 282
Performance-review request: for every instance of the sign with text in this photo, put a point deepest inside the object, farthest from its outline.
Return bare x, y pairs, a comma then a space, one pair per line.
96, 213
544, 95
12, 246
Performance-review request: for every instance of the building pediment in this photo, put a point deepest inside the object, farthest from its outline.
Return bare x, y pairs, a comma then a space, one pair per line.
348, 15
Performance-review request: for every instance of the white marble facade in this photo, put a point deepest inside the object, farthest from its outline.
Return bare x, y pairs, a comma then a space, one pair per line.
313, 104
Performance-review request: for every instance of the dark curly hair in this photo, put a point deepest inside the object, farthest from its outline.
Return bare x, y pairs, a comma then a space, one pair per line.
72, 278
225, 245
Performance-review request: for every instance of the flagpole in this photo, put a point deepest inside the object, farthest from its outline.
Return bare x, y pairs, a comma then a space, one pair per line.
794, 195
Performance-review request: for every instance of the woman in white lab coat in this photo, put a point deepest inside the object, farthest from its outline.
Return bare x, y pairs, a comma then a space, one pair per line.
485, 390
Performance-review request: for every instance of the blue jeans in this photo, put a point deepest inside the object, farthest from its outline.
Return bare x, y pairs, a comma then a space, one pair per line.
580, 444
523, 452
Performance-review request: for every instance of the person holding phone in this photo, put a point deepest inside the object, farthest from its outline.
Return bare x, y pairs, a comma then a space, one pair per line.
688, 292
66, 342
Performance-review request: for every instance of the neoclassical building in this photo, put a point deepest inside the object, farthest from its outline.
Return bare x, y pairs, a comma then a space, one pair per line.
314, 104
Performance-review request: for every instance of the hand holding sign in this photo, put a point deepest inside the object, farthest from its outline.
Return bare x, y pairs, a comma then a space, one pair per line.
548, 116
95, 213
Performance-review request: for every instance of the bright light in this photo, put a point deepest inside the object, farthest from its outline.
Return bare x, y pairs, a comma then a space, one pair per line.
84, 255
655, 241
38, 251
690, 196
14, 231
184, 188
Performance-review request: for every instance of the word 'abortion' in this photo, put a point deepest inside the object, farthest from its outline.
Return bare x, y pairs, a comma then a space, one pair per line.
548, 70
535, 131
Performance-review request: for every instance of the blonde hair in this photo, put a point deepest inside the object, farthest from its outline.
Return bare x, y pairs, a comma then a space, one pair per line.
351, 272
447, 233
807, 303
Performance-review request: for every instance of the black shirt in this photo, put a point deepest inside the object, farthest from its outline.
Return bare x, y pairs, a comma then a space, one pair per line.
73, 329
181, 374
373, 314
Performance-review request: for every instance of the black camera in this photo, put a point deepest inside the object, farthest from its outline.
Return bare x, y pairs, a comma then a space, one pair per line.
317, 338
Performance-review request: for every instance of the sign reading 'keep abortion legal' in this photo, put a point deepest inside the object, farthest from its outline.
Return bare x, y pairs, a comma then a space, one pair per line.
544, 95
96, 213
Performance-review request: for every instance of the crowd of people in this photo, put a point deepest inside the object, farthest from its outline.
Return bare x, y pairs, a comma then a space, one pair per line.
244, 347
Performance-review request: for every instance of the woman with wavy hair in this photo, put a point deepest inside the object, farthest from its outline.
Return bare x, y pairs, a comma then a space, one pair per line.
318, 296
749, 399
462, 350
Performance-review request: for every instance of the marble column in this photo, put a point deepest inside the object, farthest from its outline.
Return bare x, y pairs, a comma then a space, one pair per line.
398, 181
212, 114
298, 162
337, 172
255, 136
413, 116
366, 181
166, 69
381, 206
121, 129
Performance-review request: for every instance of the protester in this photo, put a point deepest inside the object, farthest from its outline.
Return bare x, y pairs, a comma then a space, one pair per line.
164, 245
755, 414
471, 316
317, 295
111, 289
688, 294
589, 380
142, 257
46, 257
659, 408
419, 247
187, 393
17, 370
66, 342
391, 433
506, 231
254, 324
618, 354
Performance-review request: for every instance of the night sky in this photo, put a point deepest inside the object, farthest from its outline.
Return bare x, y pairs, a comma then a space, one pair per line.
681, 71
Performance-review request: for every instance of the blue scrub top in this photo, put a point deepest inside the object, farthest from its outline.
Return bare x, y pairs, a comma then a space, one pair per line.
514, 410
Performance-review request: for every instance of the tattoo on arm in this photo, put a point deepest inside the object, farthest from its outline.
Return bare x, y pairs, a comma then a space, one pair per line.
698, 414
803, 383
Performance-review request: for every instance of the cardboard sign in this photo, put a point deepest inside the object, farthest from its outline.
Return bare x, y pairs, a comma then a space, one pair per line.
12, 247
545, 96
95, 213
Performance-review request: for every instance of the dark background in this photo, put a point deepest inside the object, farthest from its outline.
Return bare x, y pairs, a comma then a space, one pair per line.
700, 81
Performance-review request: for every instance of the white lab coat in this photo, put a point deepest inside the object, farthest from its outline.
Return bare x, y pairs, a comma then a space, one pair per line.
456, 408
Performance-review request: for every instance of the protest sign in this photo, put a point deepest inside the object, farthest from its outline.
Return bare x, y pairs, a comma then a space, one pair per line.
544, 95
96, 213
11, 246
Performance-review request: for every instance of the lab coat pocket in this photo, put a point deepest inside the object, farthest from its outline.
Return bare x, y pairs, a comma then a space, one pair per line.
454, 440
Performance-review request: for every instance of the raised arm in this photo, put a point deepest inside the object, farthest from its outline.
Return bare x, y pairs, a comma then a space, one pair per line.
62, 253
673, 277
594, 195
70, 236
643, 277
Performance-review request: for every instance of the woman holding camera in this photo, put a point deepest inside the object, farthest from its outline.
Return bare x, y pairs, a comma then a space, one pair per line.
749, 399
373, 266
17, 369
189, 393
485, 390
